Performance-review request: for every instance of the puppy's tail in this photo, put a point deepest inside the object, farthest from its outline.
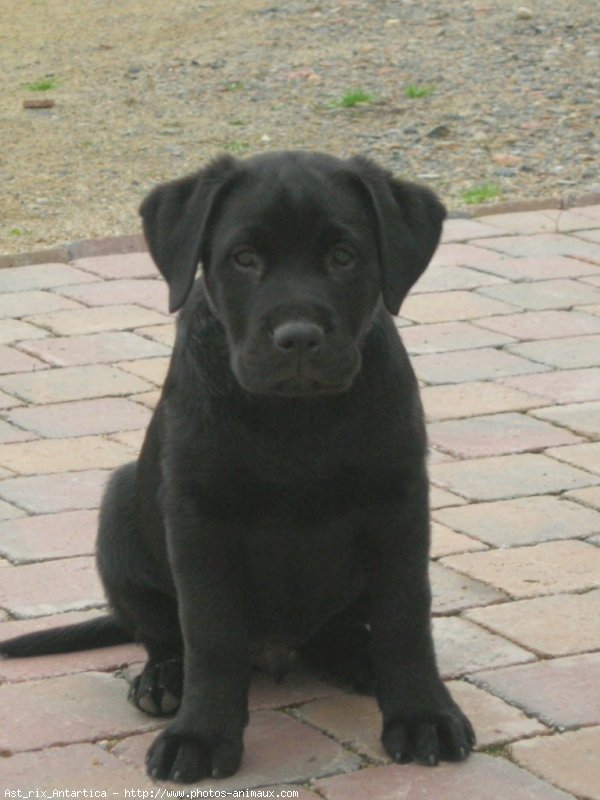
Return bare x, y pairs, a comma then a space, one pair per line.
98, 632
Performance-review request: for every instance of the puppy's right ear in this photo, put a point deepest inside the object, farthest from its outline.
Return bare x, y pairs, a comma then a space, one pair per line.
176, 217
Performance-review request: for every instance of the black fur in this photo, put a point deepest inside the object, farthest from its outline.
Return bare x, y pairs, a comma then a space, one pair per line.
280, 501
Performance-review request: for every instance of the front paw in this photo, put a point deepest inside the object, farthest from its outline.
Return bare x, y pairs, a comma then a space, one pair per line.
187, 758
444, 734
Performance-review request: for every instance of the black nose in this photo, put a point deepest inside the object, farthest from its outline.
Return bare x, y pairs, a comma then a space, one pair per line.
298, 336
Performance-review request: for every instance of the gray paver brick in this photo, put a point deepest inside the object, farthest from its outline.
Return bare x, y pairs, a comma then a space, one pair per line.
82, 417
63, 491
47, 536
95, 348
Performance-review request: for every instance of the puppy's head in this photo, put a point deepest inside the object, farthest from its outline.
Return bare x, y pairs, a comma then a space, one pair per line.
297, 250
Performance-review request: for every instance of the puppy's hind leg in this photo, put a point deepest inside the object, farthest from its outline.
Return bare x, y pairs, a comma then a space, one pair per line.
138, 597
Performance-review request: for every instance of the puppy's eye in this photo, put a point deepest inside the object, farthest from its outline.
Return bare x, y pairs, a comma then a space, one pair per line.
341, 258
247, 260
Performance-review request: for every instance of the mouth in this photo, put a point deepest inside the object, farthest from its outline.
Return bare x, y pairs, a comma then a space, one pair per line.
306, 387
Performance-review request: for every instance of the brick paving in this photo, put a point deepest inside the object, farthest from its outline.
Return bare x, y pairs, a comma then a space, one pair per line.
504, 330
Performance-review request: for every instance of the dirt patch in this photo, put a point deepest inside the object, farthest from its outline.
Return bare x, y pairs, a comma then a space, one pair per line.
463, 96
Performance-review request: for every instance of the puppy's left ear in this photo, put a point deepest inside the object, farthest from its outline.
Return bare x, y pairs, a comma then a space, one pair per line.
176, 219
410, 219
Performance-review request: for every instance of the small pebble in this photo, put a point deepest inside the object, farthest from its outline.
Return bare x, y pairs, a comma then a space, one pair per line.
524, 13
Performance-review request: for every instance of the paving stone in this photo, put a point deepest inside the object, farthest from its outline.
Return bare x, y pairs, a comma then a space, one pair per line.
542, 244
586, 456
448, 279
82, 417
69, 709
132, 440
96, 348
561, 386
589, 497
462, 366
567, 353
471, 399
122, 265
148, 399
591, 211
451, 306
446, 336
10, 433
481, 776
569, 760
8, 400
165, 334
548, 268
541, 324
72, 383
530, 571
540, 295
526, 520
79, 767
494, 721
560, 692
12, 360
465, 255
454, 592
62, 455
589, 236
40, 276
300, 685
13, 330
7, 511
150, 293
277, 749
440, 498
579, 417
551, 220
64, 491
151, 369
46, 536
66, 584
463, 647
21, 304
503, 477
445, 541
96, 320
495, 434
551, 626
460, 230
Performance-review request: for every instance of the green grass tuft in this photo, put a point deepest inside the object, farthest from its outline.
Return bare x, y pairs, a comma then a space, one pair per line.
413, 92
43, 85
481, 194
352, 98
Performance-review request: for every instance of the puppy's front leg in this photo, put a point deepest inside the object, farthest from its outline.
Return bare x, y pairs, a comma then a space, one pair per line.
421, 721
205, 737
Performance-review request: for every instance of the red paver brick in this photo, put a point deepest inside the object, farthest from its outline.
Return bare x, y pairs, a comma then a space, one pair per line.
463, 366
298, 686
96, 348
496, 434
551, 220
451, 306
463, 647
445, 541
67, 584
96, 320
20, 304
584, 456
62, 455
459, 400
540, 324
531, 571
151, 369
72, 383
64, 710
567, 353
278, 749
12, 360
65, 491
47, 536
495, 722
482, 777
9, 433
547, 294
122, 265
465, 255
40, 276
503, 477
551, 626
580, 417
448, 279
82, 417
151, 293
569, 761
542, 244
561, 386
76, 767
460, 230
526, 520
591, 211
543, 268
562, 691
454, 592
13, 330
445, 336
440, 498
165, 334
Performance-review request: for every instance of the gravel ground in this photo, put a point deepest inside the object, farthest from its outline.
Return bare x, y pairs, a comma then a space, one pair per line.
144, 92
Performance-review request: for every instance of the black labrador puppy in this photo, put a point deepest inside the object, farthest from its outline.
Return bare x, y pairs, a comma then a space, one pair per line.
280, 501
